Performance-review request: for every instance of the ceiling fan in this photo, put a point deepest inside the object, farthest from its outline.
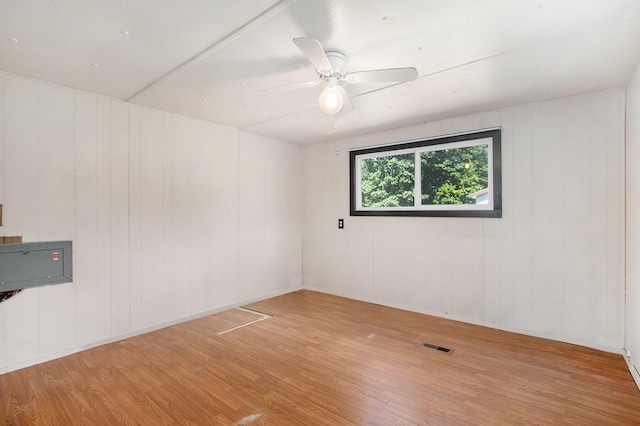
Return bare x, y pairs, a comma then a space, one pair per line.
331, 66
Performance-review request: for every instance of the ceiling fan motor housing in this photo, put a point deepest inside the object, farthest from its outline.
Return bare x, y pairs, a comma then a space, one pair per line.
338, 63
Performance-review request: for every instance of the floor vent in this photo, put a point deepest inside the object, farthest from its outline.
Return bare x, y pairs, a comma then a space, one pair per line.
442, 349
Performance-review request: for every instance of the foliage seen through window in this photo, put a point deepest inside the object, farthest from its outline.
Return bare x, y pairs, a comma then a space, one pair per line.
457, 175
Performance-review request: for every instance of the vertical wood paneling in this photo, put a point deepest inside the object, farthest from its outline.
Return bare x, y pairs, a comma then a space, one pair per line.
181, 219
103, 216
135, 218
615, 217
360, 233
576, 220
21, 158
520, 203
492, 241
151, 218
444, 270
252, 202
337, 249
434, 275
475, 246
416, 270
219, 205
492, 287
56, 116
547, 214
466, 272
537, 252
21, 208
550, 266
274, 205
291, 204
120, 295
314, 219
598, 248
153, 204
393, 244
509, 172
234, 213
56, 215
337, 201
361, 273
85, 243
282, 221
168, 277
199, 183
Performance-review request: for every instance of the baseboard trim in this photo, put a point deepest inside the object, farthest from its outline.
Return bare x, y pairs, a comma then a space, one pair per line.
113, 339
603, 348
633, 369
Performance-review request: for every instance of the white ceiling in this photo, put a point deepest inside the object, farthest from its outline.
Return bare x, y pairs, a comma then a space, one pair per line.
210, 59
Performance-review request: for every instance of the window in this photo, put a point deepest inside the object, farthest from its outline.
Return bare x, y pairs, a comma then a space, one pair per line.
456, 175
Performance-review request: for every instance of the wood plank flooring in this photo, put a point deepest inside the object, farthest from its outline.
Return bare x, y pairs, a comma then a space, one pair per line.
325, 360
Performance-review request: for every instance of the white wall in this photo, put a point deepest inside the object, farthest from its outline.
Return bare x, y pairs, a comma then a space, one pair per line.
170, 217
173, 217
552, 266
632, 308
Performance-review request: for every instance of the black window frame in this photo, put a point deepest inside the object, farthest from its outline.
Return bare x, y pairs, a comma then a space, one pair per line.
496, 212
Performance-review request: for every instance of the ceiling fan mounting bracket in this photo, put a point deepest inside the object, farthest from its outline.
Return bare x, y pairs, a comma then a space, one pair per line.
338, 63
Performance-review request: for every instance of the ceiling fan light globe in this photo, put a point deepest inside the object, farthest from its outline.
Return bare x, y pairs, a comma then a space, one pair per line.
331, 100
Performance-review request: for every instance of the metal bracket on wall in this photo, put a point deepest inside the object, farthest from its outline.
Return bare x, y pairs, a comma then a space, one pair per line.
5, 295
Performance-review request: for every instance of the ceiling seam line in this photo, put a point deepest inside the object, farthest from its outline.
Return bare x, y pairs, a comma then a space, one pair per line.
268, 13
523, 48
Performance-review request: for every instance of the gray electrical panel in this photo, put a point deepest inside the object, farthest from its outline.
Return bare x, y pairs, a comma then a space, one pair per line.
35, 264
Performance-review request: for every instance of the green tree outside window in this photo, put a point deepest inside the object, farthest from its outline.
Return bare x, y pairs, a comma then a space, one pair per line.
448, 176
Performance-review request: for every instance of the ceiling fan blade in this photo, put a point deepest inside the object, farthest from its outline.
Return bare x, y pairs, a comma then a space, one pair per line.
290, 86
312, 49
383, 76
347, 105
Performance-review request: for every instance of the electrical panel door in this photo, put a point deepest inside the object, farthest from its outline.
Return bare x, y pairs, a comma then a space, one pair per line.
35, 264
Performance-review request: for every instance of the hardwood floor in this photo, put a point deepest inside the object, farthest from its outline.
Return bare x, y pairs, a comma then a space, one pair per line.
324, 360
